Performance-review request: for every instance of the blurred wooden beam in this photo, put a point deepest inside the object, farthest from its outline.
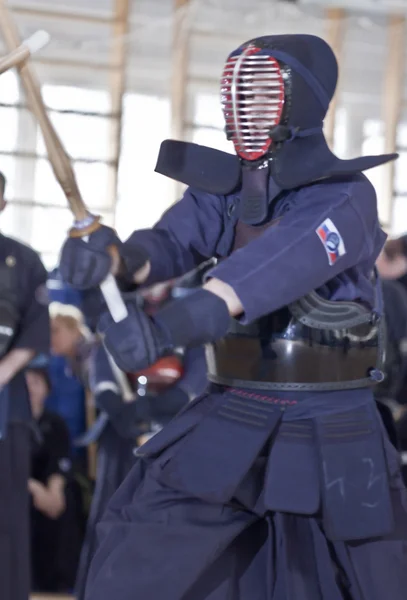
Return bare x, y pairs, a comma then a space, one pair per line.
180, 60
118, 59
69, 15
336, 23
392, 104
179, 75
73, 64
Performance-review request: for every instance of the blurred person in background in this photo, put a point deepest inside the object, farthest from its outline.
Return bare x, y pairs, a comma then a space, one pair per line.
392, 266
55, 520
392, 261
24, 334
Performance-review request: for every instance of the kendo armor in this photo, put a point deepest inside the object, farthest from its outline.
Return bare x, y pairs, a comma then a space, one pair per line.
275, 92
312, 344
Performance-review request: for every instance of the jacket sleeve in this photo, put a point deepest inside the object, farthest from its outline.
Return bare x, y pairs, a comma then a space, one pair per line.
34, 329
186, 235
329, 231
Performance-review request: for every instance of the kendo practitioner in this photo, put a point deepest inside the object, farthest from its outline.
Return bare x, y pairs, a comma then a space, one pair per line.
132, 407
24, 333
279, 482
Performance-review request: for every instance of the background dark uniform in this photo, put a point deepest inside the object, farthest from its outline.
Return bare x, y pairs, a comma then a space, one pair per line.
32, 333
55, 543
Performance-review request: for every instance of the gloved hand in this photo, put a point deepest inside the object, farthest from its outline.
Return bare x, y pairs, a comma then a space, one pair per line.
85, 265
138, 341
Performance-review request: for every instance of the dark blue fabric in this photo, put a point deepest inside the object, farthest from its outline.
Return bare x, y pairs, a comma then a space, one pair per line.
355, 488
323, 97
115, 459
33, 330
138, 341
201, 225
305, 156
125, 417
194, 380
190, 232
67, 398
134, 342
314, 78
59, 291
254, 197
85, 264
294, 249
193, 164
100, 369
168, 529
4, 411
308, 55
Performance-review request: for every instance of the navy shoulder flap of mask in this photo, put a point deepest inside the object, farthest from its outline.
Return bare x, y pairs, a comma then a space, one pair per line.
200, 167
304, 159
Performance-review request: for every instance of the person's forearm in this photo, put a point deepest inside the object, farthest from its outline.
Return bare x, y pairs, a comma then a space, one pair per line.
56, 488
48, 499
13, 362
227, 293
142, 274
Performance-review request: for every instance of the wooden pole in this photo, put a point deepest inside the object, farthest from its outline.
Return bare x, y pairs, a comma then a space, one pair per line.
118, 61
180, 59
336, 22
392, 100
179, 76
20, 54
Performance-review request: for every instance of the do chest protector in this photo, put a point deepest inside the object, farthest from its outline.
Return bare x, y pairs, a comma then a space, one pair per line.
312, 344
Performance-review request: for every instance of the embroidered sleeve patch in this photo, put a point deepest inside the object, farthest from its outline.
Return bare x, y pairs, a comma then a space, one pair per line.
331, 240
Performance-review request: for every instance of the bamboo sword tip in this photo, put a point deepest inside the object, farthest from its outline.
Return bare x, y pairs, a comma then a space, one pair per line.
37, 40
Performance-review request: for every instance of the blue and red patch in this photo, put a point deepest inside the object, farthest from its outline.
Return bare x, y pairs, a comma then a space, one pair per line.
331, 240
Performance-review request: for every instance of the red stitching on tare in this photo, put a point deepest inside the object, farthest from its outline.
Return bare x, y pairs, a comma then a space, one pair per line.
264, 398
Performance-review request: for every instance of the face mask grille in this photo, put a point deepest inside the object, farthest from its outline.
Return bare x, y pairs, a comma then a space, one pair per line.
252, 97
